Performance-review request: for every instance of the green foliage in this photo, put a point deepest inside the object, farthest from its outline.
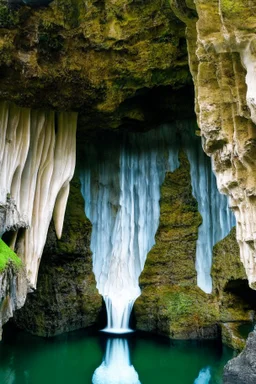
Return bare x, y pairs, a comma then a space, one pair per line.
8, 18
8, 256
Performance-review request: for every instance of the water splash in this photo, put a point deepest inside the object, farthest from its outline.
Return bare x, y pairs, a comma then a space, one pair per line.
116, 367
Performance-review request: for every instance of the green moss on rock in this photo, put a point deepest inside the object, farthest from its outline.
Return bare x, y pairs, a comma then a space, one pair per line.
8, 256
92, 56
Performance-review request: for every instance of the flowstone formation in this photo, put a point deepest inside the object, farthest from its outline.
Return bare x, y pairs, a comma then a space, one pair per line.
221, 45
37, 161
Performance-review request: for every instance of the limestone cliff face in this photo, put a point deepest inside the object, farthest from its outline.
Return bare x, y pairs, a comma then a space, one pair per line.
171, 304
221, 46
92, 57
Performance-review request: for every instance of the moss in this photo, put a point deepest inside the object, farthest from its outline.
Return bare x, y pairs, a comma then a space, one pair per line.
7, 256
226, 262
8, 18
92, 57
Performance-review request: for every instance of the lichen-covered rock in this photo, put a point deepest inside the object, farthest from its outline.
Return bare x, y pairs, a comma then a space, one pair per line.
66, 297
92, 57
242, 369
221, 46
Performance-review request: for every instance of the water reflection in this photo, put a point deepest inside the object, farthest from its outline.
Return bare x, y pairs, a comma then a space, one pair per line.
204, 376
116, 367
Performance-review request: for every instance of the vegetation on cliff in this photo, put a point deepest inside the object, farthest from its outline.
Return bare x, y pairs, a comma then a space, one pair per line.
7, 256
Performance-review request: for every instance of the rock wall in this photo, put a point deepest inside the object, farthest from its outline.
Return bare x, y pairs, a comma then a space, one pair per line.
171, 304
242, 369
221, 40
66, 297
94, 57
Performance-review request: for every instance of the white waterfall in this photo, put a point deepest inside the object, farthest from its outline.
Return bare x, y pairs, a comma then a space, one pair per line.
116, 367
217, 217
121, 179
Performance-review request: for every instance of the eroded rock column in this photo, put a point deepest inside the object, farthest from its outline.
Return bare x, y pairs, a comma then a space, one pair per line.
221, 45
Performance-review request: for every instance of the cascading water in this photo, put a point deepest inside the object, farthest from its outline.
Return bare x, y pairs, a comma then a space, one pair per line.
121, 178
217, 218
121, 186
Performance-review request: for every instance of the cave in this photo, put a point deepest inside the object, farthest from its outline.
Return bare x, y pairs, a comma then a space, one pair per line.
127, 185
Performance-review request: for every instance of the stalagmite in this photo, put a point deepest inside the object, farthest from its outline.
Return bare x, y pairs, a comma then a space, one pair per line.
37, 161
121, 181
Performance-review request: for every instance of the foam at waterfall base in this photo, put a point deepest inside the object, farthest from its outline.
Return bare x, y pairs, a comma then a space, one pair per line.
117, 331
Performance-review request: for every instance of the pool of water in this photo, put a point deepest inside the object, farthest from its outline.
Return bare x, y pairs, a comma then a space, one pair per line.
94, 357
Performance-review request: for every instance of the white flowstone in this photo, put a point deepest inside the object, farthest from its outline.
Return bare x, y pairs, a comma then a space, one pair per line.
37, 162
121, 182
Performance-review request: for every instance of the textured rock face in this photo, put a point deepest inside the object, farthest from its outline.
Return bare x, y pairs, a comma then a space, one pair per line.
92, 56
13, 291
222, 60
242, 369
66, 297
171, 303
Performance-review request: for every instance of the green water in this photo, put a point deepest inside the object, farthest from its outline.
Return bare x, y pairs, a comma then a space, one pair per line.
73, 358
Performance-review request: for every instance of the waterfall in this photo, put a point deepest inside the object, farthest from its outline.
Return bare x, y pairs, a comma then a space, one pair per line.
121, 177
116, 367
217, 218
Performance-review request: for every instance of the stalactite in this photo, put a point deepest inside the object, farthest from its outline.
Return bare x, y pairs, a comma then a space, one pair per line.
37, 161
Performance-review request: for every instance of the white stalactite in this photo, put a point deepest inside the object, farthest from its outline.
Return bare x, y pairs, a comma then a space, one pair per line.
37, 161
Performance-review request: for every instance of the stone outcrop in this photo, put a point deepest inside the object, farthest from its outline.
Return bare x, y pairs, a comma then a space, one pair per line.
221, 41
242, 369
66, 297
